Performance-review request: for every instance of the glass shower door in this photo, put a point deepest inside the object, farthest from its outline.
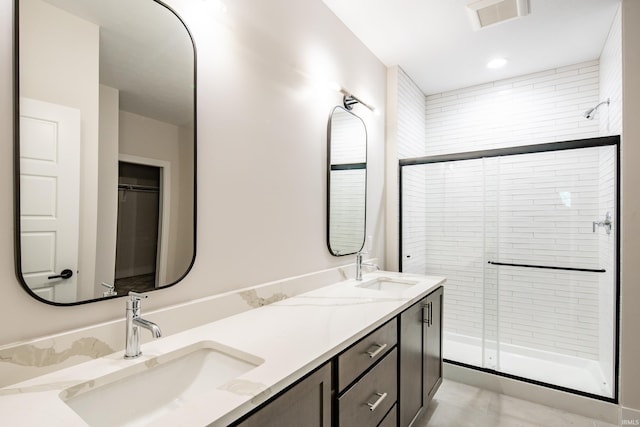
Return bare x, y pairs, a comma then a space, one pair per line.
442, 234
527, 243
553, 267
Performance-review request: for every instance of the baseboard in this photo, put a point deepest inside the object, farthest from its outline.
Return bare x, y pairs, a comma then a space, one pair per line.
591, 408
629, 417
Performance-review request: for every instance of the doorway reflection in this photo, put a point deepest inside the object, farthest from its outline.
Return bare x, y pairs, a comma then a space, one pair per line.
138, 224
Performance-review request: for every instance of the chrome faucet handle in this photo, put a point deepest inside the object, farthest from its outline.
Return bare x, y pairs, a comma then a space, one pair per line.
133, 303
111, 289
136, 296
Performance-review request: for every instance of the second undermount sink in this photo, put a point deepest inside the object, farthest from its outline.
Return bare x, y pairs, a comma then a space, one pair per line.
146, 391
388, 285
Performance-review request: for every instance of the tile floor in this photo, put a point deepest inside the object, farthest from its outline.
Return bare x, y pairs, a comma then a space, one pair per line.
461, 405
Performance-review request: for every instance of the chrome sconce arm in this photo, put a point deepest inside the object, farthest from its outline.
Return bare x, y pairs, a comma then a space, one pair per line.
349, 100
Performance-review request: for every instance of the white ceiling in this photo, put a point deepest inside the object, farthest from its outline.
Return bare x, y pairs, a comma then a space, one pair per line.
146, 53
434, 43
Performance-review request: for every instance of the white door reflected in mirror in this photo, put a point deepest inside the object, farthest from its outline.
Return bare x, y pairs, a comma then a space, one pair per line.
49, 198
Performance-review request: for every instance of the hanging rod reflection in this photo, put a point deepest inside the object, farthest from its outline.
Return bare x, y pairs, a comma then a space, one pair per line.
135, 187
549, 267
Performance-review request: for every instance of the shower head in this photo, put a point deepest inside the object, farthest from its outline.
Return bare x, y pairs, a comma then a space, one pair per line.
592, 111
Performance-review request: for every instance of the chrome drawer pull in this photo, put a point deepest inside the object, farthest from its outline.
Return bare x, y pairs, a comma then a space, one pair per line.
377, 351
374, 405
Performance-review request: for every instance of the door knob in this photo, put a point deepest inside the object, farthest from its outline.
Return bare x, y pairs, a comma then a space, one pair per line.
64, 274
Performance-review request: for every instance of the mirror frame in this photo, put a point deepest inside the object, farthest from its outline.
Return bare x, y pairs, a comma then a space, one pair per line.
366, 153
16, 160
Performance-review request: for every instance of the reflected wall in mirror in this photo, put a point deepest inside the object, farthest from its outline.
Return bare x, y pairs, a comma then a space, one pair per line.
347, 182
105, 148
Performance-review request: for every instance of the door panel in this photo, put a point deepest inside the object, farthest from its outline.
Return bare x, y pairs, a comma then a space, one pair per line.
433, 343
411, 369
49, 204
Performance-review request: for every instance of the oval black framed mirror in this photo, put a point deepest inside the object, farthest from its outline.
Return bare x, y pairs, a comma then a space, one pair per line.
346, 182
105, 148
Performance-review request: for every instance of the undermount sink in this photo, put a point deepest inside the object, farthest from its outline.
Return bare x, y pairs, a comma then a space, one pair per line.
146, 391
388, 285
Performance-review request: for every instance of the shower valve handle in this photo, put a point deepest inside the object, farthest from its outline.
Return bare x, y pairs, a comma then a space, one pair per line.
606, 223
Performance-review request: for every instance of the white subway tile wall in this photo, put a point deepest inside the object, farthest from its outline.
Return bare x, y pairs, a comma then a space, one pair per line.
611, 80
531, 109
540, 208
412, 132
534, 209
412, 143
546, 205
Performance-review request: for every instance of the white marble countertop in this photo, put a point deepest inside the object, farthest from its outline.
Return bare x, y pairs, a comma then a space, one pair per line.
292, 336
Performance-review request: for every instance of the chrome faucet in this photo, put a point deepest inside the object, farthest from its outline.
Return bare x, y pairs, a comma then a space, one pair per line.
111, 290
134, 322
360, 264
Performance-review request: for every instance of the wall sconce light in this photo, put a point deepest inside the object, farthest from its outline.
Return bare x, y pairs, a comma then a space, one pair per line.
349, 100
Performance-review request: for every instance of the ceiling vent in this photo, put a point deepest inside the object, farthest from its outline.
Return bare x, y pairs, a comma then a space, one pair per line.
484, 13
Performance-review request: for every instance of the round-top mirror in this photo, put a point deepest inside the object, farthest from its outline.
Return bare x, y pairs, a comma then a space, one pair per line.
105, 148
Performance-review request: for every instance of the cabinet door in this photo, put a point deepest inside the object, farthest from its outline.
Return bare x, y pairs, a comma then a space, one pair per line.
433, 344
411, 357
307, 404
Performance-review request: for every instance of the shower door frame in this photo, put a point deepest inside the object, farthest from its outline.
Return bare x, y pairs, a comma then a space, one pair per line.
530, 149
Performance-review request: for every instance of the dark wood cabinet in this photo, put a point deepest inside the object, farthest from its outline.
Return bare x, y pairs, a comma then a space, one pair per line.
411, 362
420, 344
367, 376
365, 353
368, 400
433, 344
390, 420
306, 404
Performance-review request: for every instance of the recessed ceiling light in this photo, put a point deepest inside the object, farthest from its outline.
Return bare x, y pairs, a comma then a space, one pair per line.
497, 63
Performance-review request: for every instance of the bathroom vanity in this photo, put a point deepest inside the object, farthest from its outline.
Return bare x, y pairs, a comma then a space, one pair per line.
355, 353
392, 372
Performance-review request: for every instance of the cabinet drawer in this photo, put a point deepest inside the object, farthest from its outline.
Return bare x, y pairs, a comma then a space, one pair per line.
353, 362
367, 401
390, 419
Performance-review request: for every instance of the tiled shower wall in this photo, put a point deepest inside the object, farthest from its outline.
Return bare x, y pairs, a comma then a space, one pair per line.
533, 209
412, 143
610, 124
538, 108
611, 80
531, 109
